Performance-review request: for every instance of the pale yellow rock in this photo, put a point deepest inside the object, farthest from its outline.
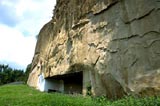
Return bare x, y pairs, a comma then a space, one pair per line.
115, 43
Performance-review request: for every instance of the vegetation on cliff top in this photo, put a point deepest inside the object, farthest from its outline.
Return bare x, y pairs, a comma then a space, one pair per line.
22, 95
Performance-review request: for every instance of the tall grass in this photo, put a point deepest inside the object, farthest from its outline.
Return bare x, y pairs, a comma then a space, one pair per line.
22, 95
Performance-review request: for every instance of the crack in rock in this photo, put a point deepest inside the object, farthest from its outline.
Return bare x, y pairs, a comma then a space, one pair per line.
139, 18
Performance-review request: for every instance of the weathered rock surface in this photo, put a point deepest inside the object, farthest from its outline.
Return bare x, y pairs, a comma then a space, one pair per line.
116, 43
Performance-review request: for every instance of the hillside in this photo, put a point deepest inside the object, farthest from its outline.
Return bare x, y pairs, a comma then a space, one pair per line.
22, 95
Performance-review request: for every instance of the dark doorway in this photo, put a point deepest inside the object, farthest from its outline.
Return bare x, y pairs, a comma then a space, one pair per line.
73, 83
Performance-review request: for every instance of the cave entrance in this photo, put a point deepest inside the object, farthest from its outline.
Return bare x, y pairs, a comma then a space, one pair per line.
73, 83
70, 83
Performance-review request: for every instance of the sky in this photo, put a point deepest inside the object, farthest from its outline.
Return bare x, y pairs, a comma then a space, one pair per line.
20, 23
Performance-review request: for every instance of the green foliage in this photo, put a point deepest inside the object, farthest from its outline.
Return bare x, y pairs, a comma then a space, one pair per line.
28, 70
8, 75
89, 92
135, 101
22, 95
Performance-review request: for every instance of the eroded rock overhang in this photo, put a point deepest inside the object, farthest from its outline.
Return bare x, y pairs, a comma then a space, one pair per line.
115, 42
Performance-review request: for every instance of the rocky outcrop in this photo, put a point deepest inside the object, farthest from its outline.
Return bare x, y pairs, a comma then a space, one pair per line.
115, 43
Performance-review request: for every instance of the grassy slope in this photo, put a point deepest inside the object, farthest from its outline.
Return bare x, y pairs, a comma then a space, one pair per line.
22, 95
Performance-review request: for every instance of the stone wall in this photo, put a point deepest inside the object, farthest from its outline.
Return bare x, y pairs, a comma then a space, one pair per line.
116, 43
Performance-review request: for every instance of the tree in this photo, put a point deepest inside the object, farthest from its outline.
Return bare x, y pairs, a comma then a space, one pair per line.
28, 70
8, 75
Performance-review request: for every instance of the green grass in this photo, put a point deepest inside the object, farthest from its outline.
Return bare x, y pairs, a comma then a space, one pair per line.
22, 95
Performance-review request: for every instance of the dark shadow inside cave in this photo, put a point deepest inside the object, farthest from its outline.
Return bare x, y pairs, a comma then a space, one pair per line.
71, 83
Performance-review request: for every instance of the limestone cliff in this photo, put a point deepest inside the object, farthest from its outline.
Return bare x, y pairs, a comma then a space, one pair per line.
115, 43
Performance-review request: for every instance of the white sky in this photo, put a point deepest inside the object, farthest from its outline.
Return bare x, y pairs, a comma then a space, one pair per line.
20, 22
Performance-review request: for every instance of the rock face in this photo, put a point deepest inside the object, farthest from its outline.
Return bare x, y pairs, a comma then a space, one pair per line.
115, 44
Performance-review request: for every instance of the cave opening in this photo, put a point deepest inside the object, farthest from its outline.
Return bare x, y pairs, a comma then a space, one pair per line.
71, 83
